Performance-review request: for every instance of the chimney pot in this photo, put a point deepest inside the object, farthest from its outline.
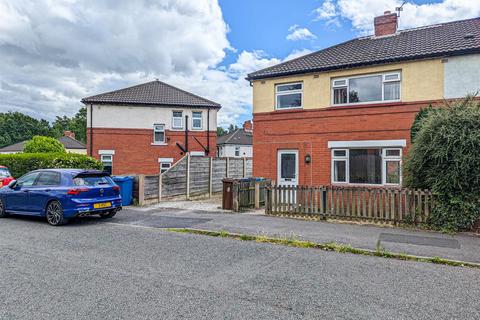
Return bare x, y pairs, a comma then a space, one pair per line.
69, 134
386, 24
248, 126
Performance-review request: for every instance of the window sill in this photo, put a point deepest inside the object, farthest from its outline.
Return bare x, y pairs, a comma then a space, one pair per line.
159, 144
365, 185
293, 108
364, 103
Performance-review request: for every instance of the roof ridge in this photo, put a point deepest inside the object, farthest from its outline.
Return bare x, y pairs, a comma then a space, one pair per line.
118, 90
184, 91
232, 135
437, 25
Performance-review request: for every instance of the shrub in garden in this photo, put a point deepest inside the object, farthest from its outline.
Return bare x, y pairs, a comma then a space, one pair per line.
21, 163
445, 158
417, 123
43, 144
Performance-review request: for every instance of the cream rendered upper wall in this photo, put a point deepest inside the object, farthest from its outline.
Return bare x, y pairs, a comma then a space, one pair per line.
144, 117
421, 80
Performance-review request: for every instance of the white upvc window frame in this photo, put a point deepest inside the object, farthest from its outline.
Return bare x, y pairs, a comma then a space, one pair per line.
237, 150
174, 126
392, 158
385, 159
107, 158
196, 118
284, 93
156, 130
343, 159
336, 84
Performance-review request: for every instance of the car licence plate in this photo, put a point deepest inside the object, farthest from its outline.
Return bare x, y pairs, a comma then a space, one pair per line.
102, 205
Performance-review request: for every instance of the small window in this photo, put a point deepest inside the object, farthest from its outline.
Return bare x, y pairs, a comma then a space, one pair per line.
177, 120
197, 120
237, 151
392, 152
48, 179
158, 133
289, 96
107, 161
164, 166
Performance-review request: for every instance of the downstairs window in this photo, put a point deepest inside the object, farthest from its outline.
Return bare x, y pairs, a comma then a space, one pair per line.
369, 166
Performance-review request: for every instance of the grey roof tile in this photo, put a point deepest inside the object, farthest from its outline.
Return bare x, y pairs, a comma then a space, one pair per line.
151, 93
239, 136
446, 39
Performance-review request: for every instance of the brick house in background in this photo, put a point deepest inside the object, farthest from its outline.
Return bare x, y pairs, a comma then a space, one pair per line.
146, 128
237, 144
342, 115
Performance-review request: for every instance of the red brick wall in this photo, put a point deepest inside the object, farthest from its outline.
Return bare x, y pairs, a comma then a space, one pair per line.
310, 130
134, 152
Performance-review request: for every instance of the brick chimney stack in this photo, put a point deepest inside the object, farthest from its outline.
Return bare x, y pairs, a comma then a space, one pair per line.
69, 134
248, 126
386, 24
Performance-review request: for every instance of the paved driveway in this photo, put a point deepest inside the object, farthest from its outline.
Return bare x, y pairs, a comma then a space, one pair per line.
91, 269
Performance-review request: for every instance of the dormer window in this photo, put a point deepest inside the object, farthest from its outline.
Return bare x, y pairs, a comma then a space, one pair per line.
366, 89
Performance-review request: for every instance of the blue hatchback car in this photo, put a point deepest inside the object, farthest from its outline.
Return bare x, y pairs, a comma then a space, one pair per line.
61, 194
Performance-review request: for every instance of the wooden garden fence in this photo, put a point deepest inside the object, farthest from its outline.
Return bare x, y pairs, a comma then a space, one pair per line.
358, 203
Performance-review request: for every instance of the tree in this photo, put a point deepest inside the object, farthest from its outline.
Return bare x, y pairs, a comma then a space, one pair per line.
232, 128
221, 132
16, 127
40, 144
77, 124
445, 159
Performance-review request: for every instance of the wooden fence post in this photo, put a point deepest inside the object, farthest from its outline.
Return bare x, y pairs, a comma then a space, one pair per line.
257, 194
141, 190
210, 180
235, 189
188, 176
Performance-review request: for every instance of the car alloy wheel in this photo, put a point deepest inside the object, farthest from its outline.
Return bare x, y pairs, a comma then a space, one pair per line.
55, 214
2, 209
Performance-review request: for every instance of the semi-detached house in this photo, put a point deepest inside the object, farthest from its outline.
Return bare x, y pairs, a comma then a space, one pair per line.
342, 115
146, 128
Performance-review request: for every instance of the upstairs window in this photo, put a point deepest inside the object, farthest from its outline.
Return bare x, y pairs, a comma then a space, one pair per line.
366, 89
288, 96
197, 120
237, 151
177, 120
158, 133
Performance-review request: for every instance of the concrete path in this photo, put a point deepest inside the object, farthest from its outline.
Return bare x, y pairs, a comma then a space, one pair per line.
464, 247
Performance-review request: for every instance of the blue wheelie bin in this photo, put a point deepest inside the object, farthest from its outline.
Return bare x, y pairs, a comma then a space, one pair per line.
126, 189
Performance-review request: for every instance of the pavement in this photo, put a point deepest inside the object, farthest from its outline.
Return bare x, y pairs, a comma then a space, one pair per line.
130, 268
462, 247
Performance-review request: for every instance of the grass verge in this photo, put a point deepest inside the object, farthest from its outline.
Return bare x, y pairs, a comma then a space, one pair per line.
329, 246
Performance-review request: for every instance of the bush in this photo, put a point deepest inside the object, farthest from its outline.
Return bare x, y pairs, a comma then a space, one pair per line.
21, 163
43, 144
417, 123
445, 158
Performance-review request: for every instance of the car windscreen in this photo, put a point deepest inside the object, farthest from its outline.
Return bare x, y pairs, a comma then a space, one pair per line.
93, 181
4, 173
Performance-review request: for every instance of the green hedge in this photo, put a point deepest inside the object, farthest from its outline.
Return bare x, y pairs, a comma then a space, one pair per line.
445, 158
21, 163
41, 144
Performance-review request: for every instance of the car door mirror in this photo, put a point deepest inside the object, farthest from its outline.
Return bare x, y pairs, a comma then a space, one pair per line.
13, 184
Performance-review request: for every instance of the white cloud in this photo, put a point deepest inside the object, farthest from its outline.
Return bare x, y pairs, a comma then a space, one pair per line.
362, 12
53, 53
297, 33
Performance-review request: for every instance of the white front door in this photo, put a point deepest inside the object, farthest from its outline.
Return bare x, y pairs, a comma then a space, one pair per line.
287, 167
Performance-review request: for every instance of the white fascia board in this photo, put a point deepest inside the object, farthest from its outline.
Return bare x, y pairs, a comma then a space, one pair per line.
367, 144
110, 152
